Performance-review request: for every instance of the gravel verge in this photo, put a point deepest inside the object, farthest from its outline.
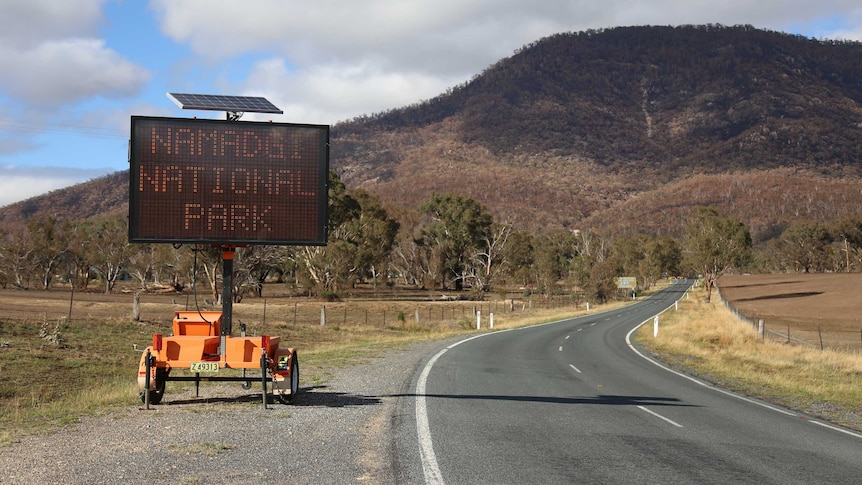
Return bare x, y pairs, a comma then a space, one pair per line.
341, 432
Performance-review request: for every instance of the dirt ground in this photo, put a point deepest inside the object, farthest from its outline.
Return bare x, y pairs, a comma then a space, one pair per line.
809, 305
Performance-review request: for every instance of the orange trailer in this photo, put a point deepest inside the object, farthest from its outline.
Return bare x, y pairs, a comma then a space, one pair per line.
180, 195
199, 346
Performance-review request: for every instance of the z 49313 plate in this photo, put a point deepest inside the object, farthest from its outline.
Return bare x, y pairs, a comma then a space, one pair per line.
204, 367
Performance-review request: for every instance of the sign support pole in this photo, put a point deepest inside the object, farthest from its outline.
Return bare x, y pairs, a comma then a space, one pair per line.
227, 254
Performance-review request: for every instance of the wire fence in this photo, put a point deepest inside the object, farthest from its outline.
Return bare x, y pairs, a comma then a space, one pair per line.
445, 312
812, 335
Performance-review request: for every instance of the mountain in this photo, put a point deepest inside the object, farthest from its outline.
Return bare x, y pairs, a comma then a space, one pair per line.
622, 129
103, 196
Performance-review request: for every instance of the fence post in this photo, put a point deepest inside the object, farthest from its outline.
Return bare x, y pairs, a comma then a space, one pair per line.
322, 315
819, 334
761, 329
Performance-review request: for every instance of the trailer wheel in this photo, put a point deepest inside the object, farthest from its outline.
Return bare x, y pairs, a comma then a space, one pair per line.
157, 393
294, 381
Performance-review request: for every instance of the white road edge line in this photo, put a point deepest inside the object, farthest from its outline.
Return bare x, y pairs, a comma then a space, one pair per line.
836, 428
696, 381
728, 393
575, 368
430, 468
660, 416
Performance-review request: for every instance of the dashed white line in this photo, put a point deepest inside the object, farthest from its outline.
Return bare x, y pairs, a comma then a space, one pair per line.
561, 348
567, 337
575, 368
660, 416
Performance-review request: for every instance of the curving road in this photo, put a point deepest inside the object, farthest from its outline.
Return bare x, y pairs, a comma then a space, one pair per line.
572, 402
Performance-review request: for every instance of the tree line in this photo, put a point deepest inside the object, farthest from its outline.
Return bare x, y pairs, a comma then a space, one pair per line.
449, 243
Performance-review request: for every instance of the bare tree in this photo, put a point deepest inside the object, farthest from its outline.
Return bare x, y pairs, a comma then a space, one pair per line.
112, 246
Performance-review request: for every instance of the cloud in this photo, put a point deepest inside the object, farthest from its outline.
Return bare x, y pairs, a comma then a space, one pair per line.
331, 60
51, 55
440, 34
331, 93
59, 72
28, 22
18, 183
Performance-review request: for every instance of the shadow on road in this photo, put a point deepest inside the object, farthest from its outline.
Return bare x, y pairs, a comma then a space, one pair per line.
332, 399
308, 396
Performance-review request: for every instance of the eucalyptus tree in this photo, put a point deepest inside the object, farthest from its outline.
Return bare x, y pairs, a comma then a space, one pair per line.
111, 245
714, 243
16, 259
489, 258
553, 253
518, 258
457, 226
49, 240
361, 235
848, 233
804, 245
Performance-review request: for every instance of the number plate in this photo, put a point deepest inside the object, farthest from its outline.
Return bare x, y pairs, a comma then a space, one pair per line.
204, 367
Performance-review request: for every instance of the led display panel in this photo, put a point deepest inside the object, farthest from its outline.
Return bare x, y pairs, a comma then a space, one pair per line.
222, 182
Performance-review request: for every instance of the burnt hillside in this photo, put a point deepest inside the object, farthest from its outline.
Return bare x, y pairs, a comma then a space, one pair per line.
578, 129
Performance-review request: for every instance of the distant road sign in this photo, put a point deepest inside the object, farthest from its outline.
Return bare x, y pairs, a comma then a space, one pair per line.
629, 282
220, 182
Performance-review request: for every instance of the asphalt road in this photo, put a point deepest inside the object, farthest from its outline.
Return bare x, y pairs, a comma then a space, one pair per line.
573, 402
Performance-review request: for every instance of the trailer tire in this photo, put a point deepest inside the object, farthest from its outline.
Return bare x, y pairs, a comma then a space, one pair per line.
159, 392
294, 381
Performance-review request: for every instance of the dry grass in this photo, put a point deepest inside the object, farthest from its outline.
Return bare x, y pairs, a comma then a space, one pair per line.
705, 339
90, 367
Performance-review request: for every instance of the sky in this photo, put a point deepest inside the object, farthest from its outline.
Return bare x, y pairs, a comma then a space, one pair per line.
73, 72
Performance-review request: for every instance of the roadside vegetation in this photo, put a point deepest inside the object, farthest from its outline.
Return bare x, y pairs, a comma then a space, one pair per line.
703, 338
53, 372
77, 355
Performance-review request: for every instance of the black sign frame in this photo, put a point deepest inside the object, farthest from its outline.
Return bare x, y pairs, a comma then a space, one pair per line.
206, 181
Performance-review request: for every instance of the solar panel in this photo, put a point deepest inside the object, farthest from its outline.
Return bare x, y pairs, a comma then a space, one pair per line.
216, 102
